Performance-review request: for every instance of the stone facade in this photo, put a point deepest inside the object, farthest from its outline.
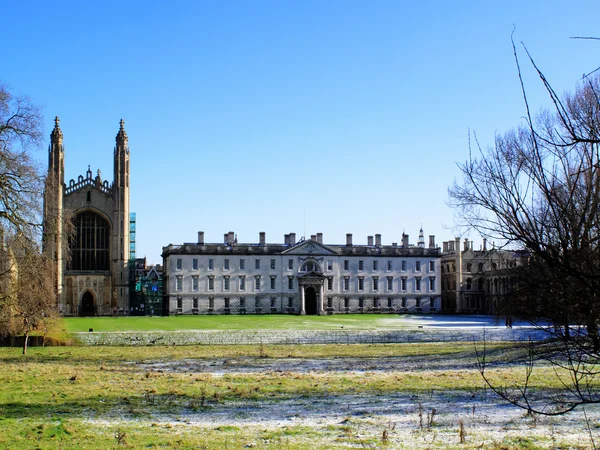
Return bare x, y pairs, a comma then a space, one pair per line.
305, 277
475, 281
94, 278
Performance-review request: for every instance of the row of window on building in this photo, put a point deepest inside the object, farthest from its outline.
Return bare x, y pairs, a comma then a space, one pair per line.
375, 283
259, 303
309, 266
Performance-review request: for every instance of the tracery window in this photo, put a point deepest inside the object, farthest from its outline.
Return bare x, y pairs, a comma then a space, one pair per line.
310, 266
90, 246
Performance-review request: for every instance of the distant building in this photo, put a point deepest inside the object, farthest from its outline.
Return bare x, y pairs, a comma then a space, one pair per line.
146, 288
475, 281
305, 277
94, 279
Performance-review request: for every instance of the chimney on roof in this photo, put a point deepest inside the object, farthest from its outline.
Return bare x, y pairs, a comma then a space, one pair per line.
226, 238
320, 238
349, 239
286, 239
231, 238
262, 238
292, 238
394, 244
484, 244
313, 237
445, 247
466, 245
404, 240
431, 241
200, 237
370, 240
378, 240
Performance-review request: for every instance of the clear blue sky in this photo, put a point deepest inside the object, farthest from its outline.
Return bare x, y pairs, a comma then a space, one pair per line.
305, 116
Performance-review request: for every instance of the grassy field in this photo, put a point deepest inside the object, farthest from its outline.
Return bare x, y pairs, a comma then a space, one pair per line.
90, 397
237, 322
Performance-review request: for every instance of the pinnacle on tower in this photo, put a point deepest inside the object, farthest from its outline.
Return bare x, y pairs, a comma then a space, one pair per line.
121, 135
56, 132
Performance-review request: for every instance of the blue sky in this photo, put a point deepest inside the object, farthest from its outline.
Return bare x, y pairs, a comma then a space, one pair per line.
278, 116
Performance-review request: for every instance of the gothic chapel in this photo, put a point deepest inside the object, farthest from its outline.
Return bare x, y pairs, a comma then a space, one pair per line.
91, 265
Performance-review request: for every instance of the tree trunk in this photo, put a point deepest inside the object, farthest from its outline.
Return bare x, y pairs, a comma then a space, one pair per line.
25, 339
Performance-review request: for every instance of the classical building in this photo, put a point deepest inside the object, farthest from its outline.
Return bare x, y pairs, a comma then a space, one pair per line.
92, 275
305, 277
475, 281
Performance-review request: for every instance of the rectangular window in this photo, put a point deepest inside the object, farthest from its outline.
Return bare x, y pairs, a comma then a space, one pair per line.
361, 264
272, 263
390, 283
346, 264
211, 264
242, 263
179, 283
361, 283
273, 278
390, 302
404, 302
195, 264
211, 283
273, 302
375, 265
346, 283
257, 282
226, 264
290, 302
376, 303
417, 284
257, 302
346, 302
329, 265
290, 283
432, 302
211, 302
361, 302
195, 284
242, 302
330, 283
417, 266
389, 265
179, 264
403, 284
179, 303
375, 284
432, 283
432, 266
330, 302
290, 264
418, 303
195, 303
226, 300
226, 283
257, 264
242, 283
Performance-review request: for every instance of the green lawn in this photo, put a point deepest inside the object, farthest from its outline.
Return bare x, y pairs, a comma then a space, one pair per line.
263, 322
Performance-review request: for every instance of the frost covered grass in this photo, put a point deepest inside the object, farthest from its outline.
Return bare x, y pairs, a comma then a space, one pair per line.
327, 396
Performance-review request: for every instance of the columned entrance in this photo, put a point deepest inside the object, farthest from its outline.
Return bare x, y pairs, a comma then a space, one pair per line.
310, 299
311, 293
88, 307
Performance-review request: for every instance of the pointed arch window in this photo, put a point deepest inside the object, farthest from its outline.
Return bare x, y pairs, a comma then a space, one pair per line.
90, 245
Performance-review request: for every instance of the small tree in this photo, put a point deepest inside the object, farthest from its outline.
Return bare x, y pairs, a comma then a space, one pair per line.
537, 189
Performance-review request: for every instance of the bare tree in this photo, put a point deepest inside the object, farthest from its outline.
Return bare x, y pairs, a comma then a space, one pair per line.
537, 189
21, 179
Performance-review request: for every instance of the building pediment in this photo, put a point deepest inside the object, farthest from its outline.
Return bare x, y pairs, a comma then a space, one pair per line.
309, 247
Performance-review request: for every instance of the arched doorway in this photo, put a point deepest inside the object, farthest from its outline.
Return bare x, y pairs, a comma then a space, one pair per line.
310, 301
87, 305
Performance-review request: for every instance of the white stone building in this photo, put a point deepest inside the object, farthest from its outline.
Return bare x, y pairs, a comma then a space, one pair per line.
305, 277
